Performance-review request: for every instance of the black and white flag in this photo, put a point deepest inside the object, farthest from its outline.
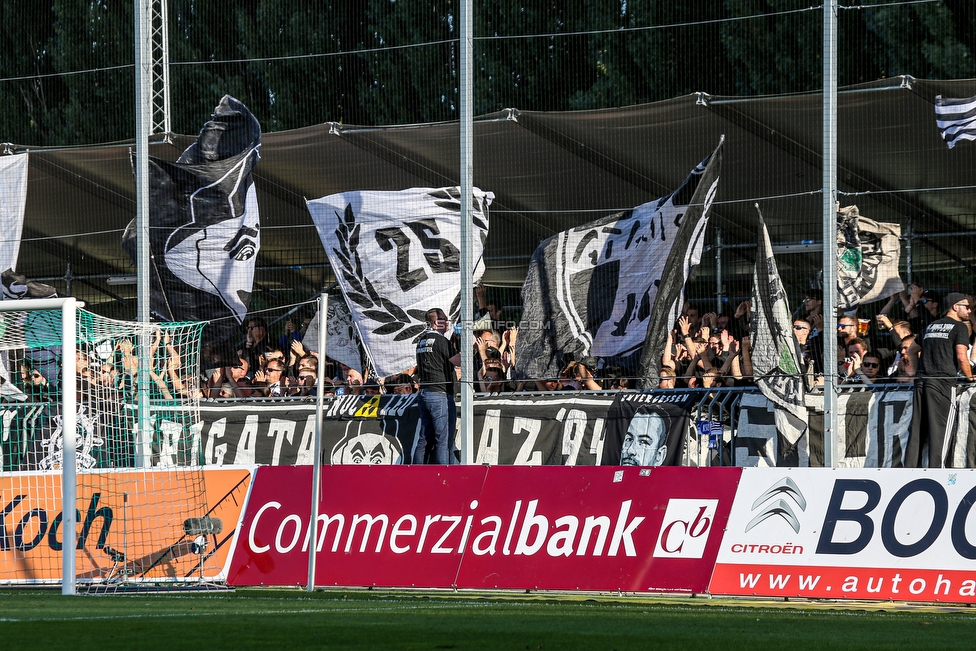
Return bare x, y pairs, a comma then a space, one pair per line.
396, 255
956, 117
204, 230
689, 207
589, 290
13, 201
867, 259
774, 351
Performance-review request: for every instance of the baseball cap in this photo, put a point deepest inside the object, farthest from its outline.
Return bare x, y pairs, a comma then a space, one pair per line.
933, 295
953, 298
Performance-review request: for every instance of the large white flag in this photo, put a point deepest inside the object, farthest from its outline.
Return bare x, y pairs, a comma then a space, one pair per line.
13, 201
397, 255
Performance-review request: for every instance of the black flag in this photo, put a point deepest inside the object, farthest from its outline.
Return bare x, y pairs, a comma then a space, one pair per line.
685, 253
204, 230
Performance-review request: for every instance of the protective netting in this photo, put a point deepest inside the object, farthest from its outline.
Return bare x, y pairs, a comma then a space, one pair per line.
143, 513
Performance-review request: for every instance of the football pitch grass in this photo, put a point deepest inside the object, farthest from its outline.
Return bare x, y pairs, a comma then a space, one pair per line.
334, 619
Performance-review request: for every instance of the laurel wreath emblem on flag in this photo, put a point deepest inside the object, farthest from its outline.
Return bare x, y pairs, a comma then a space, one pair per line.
391, 317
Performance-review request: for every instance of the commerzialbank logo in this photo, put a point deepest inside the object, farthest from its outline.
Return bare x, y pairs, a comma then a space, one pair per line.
530, 529
776, 502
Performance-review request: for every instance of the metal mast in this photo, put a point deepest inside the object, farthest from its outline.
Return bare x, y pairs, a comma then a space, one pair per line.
159, 69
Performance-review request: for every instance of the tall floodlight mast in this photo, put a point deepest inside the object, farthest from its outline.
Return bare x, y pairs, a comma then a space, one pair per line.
159, 69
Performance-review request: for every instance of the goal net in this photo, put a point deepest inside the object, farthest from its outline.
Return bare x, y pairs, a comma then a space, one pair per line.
133, 466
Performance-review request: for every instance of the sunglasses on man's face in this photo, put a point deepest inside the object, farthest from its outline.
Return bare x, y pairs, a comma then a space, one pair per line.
870, 364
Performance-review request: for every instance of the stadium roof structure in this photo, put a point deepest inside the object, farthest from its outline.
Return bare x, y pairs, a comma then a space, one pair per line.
549, 171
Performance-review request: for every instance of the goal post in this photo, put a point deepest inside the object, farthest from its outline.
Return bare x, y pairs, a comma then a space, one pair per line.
91, 494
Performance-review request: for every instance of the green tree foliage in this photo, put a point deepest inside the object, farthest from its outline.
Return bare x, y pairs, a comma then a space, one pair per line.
541, 72
94, 36
31, 92
66, 73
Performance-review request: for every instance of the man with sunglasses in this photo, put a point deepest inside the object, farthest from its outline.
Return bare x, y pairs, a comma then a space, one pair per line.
945, 347
846, 332
865, 368
810, 353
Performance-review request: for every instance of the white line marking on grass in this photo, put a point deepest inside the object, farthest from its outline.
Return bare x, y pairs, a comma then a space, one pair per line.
244, 613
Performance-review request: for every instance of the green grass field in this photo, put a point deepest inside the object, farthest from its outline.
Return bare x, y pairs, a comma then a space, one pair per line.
292, 619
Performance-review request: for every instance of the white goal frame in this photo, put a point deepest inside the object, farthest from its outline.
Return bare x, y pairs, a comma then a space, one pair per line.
69, 414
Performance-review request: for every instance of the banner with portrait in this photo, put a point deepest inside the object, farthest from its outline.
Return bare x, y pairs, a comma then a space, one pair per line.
580, 430
648, 429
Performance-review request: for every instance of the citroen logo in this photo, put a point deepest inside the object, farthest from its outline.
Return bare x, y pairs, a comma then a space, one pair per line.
774, 503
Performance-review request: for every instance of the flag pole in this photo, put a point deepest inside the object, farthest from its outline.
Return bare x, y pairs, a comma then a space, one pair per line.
466, 125
830, 230
313, 521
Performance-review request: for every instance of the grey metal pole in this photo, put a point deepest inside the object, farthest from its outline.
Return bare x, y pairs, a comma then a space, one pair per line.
313, 523
830, 229
467, 266
69, 433
143, 101
718, 271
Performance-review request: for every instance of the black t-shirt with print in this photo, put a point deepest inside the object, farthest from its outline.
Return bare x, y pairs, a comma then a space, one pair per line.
939, 343
434, 353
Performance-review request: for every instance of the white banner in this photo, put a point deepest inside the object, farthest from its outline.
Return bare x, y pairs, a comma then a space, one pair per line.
13, 200
397, 255
341, 340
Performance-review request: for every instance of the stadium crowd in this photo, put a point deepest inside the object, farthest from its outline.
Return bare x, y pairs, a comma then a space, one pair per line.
919, 338
702, 351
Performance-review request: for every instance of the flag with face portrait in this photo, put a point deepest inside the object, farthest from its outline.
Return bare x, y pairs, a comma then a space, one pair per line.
589, 291
204, 230
397, 255
647, 429
774, 352
867, 259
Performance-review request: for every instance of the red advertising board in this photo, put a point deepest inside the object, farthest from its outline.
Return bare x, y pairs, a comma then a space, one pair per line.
557, 528
599, 528
391, 526
893, 534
